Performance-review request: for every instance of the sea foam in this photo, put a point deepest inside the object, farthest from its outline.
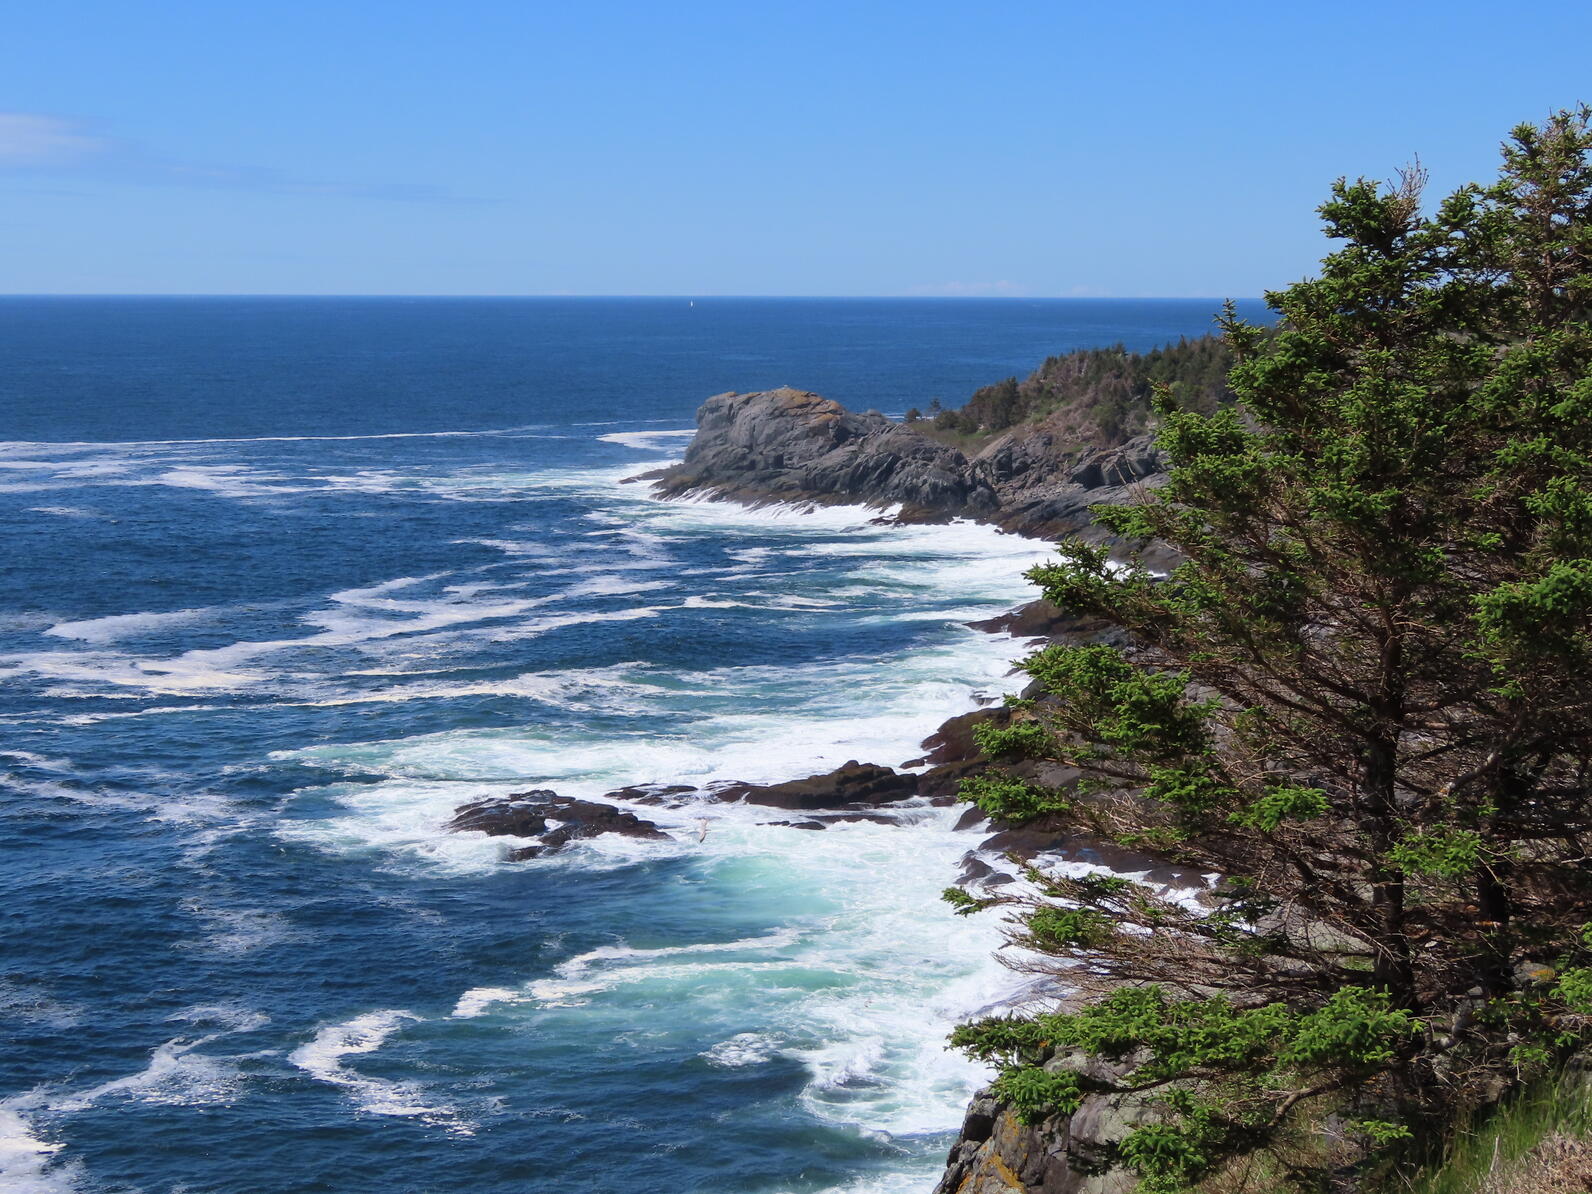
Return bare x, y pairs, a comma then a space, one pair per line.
322, 1059
28, 1163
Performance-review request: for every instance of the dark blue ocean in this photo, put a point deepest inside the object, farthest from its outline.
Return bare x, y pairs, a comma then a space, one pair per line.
287, 580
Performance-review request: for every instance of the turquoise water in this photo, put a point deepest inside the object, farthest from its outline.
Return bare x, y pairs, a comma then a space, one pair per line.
289, 580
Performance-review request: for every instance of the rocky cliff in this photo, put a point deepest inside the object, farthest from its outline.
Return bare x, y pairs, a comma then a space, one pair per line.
996, 1153
788, 445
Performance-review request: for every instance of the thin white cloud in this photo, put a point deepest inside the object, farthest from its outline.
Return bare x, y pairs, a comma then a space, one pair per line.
36, 143
27, 139
968, 289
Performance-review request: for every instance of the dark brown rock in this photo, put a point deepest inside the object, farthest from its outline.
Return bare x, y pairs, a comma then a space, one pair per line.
972, 817
953, 741
555, 820
1027, 842
856, 818
852, 783
945, 781
979, 872
1041, 619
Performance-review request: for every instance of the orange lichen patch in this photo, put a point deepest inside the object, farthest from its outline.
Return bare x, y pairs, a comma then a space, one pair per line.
1007, 1176
804, 400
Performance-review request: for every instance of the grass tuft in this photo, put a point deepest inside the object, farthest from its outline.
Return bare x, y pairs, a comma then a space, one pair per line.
1536, 1143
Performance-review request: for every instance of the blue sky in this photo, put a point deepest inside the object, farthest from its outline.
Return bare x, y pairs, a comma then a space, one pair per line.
610, 147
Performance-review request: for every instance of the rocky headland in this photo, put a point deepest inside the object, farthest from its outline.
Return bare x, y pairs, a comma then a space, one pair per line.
788, 445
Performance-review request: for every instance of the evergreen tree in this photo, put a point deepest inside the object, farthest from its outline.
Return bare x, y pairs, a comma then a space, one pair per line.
1097, 395
1364, 700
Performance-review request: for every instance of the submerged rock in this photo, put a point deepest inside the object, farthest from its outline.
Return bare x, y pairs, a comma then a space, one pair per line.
1027, 842
979, 872
555, 820
825, 820
660, 794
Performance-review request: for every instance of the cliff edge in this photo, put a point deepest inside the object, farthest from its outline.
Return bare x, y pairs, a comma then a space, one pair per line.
997, 1153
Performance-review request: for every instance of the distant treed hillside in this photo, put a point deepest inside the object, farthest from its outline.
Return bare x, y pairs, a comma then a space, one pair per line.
1096, 395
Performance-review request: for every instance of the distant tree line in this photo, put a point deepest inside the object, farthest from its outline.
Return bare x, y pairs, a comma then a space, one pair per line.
1097, 395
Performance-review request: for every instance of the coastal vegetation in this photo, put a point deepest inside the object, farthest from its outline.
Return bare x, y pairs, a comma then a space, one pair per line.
1537, 1142
1361, 699
1099, 396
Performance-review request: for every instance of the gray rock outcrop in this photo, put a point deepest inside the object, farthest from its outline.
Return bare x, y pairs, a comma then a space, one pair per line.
996, 1153
789, 445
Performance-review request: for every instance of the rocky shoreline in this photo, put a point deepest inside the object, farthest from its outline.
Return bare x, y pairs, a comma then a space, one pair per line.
788, 446
994, 1152
854, 791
